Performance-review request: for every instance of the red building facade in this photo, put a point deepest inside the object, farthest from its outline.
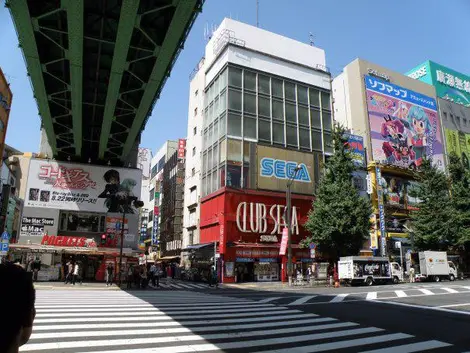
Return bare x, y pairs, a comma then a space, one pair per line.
247, 225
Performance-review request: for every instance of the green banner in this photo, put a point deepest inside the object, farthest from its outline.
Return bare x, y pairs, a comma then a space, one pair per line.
459, 143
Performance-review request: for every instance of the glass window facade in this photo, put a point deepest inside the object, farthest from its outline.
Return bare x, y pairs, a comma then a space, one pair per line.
243, 107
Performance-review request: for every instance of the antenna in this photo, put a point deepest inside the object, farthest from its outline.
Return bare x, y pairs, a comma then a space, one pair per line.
257, 13
311, 39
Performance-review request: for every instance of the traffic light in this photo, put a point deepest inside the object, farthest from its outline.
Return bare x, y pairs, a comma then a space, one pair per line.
103, 239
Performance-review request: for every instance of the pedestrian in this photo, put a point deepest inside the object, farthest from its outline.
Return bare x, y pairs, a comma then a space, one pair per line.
153, 274
109, 274
76, 272
18, 294
130, 272
143, 277
36, 268
412, 274
68, 277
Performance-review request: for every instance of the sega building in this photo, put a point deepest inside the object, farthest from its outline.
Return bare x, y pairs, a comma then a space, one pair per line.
266, 110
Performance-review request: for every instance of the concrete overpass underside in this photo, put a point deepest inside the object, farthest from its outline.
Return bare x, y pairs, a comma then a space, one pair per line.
97, 68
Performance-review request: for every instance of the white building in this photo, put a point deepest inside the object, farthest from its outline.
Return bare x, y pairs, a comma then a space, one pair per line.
251, 88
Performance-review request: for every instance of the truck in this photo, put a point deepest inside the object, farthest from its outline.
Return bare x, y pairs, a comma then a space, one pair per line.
368, 270
434, 266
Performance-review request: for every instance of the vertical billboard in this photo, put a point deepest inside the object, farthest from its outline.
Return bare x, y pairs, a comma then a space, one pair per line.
144, 159
356, 149
5, 105
404, 125
181, 148
276, 166
81, 187
458, 142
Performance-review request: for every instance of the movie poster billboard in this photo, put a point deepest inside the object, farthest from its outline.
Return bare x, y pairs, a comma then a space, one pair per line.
404, 125
458, 143
81, 187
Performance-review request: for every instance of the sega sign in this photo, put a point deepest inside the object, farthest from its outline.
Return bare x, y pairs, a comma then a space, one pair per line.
280, 169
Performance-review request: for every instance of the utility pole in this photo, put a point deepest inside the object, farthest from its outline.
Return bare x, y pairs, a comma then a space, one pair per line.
289, 226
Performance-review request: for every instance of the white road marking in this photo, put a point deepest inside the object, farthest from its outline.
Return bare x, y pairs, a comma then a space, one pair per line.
450, 290
339, 298
302, 300
412, 347
371, 296
267, 300
454, 305
426, 291
400, 294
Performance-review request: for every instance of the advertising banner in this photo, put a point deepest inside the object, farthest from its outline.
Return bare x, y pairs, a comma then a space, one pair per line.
356, 149
34, 226
450, 84
276, 166
394, 191
404, 125
81, 187
144, 160
459, 143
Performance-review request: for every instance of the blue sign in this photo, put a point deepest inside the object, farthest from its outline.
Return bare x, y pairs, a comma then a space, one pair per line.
383, 235
389, 89
306, 260
280, 169
356, 149
4, 247
312, 246
244, 259
5, 236
267, 260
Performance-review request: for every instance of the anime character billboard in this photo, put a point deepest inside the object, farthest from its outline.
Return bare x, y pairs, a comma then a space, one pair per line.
404, 125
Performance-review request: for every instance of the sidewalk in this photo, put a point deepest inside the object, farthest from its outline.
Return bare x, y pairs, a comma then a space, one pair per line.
78, 286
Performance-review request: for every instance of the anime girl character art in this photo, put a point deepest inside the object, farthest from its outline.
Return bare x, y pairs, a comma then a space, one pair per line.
392, 130
420, 127
112, 187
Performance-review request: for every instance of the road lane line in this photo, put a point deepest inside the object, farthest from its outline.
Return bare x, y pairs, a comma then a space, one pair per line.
232, 345
302, 300
454, 305
371, 296
450, 290
339, 298
412, 347
401, 294
267, 300
426, 291
333, 346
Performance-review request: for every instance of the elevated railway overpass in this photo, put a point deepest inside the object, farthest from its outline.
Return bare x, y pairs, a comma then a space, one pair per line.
97, 67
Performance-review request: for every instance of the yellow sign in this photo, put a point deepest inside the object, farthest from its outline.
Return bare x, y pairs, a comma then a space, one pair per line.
373, 240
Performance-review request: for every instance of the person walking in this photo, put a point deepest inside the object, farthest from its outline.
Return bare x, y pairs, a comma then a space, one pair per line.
153, 274
76, 272
36, 268
69, 269
109, 274
130, 273
412, 274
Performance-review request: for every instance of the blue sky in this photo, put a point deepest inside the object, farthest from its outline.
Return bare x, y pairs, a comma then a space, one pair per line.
397, 34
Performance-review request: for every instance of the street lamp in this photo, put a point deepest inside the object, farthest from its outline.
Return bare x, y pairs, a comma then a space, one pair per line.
289, 228
127, 201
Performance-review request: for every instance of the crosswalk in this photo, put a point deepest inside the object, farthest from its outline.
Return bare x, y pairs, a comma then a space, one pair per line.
182, 285
390, 294
186, 321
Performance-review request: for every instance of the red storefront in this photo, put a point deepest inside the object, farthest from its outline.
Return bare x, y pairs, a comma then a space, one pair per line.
247, 225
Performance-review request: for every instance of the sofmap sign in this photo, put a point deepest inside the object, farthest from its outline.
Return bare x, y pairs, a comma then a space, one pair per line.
253, 218
81, 187
404, 125
275, 166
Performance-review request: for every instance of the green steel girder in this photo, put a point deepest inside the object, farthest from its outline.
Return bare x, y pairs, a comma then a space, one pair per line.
25, 31
118, 66
180, 24
75, 56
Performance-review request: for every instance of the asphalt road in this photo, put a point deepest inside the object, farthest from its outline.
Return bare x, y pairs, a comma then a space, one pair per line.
252, 320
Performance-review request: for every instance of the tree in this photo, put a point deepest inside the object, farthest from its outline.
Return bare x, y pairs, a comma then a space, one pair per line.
459, 178
432, 225
339, 221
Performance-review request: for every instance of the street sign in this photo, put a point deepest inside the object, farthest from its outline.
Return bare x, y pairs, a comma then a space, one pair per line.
284, 240
4, 247
5, 236
312, 253
313, 246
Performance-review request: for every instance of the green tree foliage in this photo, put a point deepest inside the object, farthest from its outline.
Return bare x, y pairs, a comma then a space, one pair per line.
339, 221
433, 226
459, 178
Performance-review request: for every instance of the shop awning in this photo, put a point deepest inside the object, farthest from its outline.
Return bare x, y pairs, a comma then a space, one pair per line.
198, 246
72, 250
261, 245
167, 258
